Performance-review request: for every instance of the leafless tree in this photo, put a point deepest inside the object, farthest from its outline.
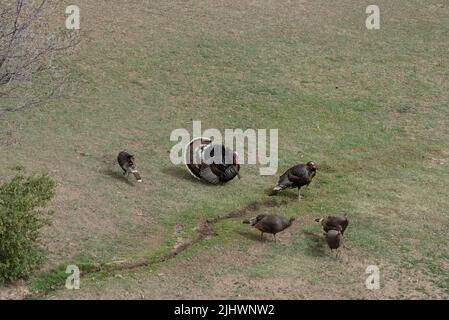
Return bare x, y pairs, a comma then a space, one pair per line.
32, 46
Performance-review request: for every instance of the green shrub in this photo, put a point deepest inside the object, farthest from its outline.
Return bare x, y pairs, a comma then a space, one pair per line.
21, 250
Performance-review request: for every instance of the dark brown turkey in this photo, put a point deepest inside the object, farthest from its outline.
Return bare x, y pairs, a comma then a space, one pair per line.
296, 177
333, 239
213, 163
334, 223
128, 165
270, 224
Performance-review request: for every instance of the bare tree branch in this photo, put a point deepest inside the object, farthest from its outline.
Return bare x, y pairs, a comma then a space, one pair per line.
31, 50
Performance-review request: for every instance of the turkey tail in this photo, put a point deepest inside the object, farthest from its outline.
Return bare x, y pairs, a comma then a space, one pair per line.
254, 220
230, 173
276, 190
207, 174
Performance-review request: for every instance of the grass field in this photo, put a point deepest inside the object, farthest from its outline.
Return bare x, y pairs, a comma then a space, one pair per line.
370, 107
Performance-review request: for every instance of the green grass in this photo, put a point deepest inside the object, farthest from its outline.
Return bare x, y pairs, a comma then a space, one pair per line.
146, 70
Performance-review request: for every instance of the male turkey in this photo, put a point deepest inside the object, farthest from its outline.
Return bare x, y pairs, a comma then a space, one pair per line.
333, 239
270, 224
334, 223
128, 165
296, 177
213, 163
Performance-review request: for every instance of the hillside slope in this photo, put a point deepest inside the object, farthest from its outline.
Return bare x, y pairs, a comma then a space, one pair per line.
370, 107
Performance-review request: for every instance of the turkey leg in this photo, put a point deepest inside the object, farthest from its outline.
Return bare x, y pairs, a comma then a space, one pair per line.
300, 196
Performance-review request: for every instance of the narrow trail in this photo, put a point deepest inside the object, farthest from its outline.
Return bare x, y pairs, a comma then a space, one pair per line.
202, 231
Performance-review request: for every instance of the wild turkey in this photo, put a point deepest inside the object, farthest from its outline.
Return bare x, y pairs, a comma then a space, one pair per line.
334, 223
126, 162
333, 239
270, 224
212, 162
296, 177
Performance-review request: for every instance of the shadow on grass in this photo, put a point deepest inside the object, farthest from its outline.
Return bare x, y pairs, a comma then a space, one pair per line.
180, 173
316, 244
291, 194
254, 236
117, 175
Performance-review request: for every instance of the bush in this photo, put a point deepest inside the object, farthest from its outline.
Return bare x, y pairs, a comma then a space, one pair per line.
21, 249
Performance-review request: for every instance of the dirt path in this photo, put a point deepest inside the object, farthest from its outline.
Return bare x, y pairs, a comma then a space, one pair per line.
203, 231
